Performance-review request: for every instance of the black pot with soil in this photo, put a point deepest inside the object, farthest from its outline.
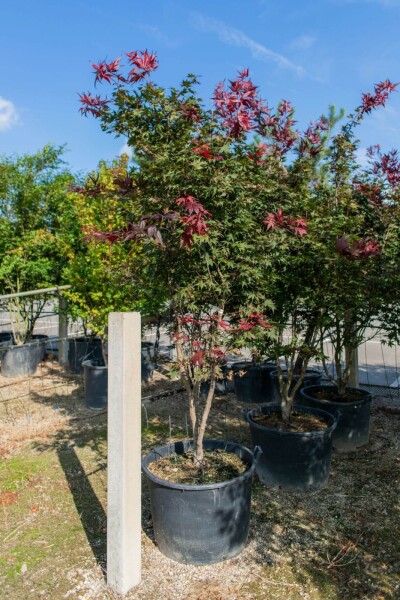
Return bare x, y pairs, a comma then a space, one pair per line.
353, 411
296, 460
95, 384
200, 524
20, 360
253, 382
311, 377
81, 349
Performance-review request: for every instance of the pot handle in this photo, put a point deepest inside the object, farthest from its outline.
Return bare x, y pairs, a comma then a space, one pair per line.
256, 454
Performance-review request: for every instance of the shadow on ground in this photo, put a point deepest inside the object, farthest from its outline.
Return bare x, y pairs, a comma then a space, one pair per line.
340, 542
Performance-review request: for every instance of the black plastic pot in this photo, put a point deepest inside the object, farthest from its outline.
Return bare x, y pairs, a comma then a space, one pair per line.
95, 383
6, 340
147, 367
41, 341
255, 384
18, 361
200, 524
312, 377
222, 386
81, 349
353, 426
51, 347
292, 461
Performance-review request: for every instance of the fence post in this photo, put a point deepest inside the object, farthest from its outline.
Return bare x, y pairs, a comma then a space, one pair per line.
62, 331
124, 452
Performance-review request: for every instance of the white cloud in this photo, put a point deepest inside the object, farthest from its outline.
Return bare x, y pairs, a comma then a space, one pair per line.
303, 42
126, 150
8, 114
235, 37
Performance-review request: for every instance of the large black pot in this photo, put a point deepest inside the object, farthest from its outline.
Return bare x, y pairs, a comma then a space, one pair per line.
19, 361
83, 348
292, 461
6, 340
200, 524
312, 377
95, 383
147, 360
253, 382
41, 341
353, 426
222, 386
147, 367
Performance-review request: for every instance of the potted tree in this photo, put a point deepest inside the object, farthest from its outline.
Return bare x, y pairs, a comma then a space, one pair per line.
195, 208
29, 266
32, 254
358, 264
325, 173
296, 441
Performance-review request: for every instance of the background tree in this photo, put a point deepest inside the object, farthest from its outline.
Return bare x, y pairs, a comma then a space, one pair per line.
101, 274
32, 251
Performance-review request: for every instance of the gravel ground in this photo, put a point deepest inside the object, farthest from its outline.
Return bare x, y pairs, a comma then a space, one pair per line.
340, 543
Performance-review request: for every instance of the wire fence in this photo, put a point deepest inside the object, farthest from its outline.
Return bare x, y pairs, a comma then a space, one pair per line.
46, 400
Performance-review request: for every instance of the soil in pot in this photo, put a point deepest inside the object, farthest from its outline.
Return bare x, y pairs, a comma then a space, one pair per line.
216, 467
296, 461
200, 524
301, 422
352, 410
253, 382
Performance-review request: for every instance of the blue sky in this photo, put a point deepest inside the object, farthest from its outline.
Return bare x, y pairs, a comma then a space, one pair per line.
312, 52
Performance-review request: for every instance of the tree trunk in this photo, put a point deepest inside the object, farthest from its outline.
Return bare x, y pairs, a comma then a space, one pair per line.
198, 442
308, 338
286, 401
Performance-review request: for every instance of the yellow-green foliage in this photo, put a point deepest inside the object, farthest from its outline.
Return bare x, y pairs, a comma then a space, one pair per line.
96, 269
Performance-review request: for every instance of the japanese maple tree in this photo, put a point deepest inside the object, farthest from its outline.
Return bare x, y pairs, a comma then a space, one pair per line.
194, 208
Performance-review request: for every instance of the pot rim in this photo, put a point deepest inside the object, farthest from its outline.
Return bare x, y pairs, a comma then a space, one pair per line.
28, 344
366, 396
298, 407
89, 364
206, 486
82, 338
248, 366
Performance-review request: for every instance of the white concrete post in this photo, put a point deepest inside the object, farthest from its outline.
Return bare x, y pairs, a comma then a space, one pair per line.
124, 452
62, 332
